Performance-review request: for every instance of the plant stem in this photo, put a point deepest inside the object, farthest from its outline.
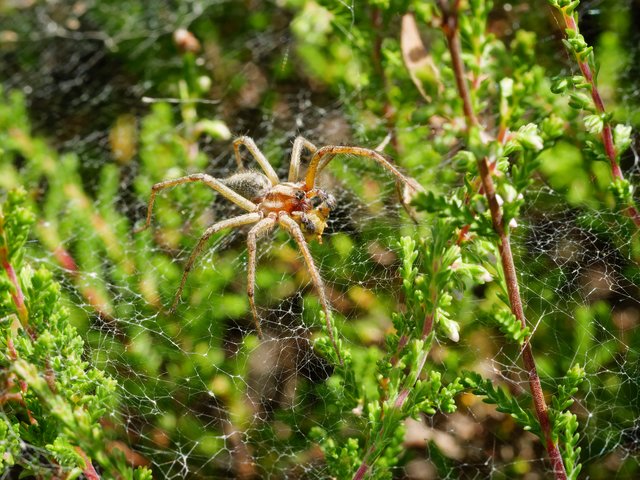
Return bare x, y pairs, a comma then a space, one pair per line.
374, 451
450, 28
516, 308
361, 472
607, 132
17, 295
89, 470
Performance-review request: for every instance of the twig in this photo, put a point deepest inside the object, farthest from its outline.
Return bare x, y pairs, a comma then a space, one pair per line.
401, 398
17, 294
450, 28
607, 132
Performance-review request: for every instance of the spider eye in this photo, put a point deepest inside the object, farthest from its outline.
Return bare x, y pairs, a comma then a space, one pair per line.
309, 226
315, 201
299, 195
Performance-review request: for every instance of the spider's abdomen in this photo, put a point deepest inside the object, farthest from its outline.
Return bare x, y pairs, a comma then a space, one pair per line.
251, 185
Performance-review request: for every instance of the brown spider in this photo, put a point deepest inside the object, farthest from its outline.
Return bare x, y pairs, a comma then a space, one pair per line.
296, 205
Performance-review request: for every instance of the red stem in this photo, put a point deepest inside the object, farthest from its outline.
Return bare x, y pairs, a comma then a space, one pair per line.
607, 133
361, 472
516, 307
89, 470
402, 395
450, 28
17, 295
450, 25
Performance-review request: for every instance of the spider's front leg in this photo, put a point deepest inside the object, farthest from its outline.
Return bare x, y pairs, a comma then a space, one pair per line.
261, 228
407, 187
290, 225
324, 155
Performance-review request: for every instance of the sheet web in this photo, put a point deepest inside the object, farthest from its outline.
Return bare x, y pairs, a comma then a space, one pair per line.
201, 395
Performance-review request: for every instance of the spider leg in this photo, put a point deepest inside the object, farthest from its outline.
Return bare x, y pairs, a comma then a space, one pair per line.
234, 222
213, 183
257, 154
323, 163
315, 166
294, 230
259, 229
294, 167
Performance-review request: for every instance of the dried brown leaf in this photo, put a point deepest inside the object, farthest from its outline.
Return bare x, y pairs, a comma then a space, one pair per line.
417, 58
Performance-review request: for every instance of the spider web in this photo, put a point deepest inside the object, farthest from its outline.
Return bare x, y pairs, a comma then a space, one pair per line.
201, 395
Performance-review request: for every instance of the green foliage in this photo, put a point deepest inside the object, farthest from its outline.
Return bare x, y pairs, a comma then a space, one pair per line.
511, 327
504, 401
565, 423
52, 399
403, 389
113, 372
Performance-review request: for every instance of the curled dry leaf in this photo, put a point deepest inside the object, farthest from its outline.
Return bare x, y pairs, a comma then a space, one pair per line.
406, 192
417, 59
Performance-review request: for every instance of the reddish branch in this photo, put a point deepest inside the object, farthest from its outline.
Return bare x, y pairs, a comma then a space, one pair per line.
450, 29
89, 470
92, 295
607, 132
402, 396
23, 314
516, 308
17, 295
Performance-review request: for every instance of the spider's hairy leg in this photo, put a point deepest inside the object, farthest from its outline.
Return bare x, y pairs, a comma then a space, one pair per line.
213, 183
234, 222
257, 154
290, 225
260, 228
294, 167
319, 161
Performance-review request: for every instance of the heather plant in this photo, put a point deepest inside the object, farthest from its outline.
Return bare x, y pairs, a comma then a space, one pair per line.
485, 326
53, 400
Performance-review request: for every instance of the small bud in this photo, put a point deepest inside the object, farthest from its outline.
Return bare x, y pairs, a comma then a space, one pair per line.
506, 87
559, 85
529, 137
451, 330
581, 101
509, 192
594, 124
552, 127
204, 83
622, 137
186, 41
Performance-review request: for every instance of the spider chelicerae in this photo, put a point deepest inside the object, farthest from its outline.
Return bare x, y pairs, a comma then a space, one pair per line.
297, 206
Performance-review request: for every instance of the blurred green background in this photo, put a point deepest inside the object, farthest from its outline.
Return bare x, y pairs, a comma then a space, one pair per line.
99, 102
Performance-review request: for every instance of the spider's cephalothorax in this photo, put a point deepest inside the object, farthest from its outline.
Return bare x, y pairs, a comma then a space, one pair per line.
297, 206
310, 209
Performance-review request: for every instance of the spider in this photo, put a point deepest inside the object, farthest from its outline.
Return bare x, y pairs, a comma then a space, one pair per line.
297, 206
